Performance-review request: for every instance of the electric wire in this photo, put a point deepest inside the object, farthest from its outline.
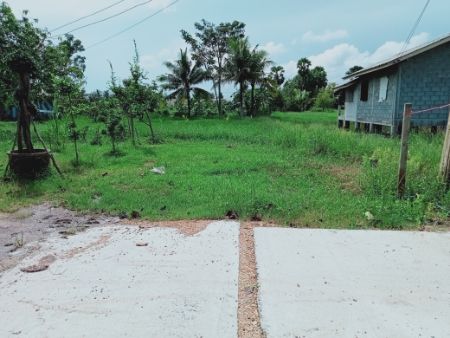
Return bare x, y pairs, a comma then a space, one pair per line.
132, 26
87, 16
108, 18
413, 30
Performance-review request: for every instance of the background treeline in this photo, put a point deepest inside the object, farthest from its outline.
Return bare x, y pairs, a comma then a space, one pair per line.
216, 55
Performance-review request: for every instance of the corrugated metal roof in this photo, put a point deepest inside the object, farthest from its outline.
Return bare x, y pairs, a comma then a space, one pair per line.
394, 60
344, 85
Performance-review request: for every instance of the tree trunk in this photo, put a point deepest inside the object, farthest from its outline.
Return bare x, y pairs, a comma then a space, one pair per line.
241, 99
24, 116
128, 122
75, 137
113, 145
252, 100
133, 133
2, 112
188, 97
216, 98
219, 82
219, 85
150, 125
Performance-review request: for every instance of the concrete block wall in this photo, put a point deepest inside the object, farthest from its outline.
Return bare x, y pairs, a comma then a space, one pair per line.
425, 82
372, 110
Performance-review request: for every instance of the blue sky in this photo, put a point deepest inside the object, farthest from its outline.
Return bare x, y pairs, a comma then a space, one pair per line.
334, 34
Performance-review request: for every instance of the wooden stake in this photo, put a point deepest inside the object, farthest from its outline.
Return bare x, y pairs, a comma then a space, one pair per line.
5, 174
445, 162
404, 150
45, 147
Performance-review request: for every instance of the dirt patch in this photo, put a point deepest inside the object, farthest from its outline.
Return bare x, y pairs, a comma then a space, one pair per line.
187, 228
436, 226
249, 323
347, 177
22, 231
102, 241
42, 265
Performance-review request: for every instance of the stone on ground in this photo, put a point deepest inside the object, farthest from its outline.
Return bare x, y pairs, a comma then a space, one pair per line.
322, 283
124, 281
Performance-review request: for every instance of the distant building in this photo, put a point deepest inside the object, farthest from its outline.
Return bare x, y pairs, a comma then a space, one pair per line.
375, 96
45, 110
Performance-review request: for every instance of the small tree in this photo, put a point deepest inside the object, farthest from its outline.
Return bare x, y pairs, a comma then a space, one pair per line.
111, 112
115, 129
295, 99
67, 90
22, 50
150, 103
325, 98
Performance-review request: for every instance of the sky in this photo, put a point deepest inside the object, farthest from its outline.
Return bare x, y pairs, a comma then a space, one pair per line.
334, 34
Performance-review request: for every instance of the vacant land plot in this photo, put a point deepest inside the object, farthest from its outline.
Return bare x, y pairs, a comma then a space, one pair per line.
295, 169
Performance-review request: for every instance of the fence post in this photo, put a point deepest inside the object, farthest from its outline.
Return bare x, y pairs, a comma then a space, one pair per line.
445, 162
407, 112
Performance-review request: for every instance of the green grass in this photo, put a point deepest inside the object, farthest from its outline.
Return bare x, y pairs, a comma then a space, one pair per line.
295, 169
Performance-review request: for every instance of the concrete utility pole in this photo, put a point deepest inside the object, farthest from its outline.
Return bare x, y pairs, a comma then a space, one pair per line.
445, 162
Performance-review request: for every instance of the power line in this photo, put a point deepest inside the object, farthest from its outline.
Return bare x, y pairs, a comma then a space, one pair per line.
87, 16
413, 30
132, 26
109, 17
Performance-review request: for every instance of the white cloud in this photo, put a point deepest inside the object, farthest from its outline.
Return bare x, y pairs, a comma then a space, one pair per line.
326, 36
290, 68
274, 48
338, 59
154, 62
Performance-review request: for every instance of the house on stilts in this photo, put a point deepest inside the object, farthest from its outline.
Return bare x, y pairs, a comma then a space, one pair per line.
375, 96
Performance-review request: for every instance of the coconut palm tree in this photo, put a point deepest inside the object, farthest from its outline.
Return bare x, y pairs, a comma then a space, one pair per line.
183, 76
238, 67
258, 63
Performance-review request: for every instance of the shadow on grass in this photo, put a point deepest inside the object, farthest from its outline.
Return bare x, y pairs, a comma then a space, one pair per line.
115, 153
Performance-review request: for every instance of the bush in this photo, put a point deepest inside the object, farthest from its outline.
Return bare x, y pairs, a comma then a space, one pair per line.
325, 99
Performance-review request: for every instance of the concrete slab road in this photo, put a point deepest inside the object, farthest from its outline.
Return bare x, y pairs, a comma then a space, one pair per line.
122, 281
322, 283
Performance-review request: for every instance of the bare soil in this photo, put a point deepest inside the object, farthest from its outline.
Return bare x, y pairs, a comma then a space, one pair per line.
22, 231
249, 321
187, 228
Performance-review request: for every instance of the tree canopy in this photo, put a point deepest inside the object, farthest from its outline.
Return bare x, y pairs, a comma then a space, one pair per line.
210, 47
184, 74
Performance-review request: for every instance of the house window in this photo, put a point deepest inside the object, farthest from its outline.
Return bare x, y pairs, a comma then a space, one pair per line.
384, 82
364, 90
349, 96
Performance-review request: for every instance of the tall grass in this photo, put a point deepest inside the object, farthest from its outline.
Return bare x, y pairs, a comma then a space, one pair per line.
294, 169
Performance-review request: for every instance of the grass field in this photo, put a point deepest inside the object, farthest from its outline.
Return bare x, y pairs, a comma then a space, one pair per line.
296, 169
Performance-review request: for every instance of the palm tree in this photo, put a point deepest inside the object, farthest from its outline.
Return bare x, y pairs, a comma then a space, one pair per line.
183, 76
238, 66
258, 63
